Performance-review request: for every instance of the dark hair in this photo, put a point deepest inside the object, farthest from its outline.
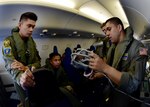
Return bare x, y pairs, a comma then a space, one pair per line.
28, 15
116, 21
103, 24
53, 55
78, 46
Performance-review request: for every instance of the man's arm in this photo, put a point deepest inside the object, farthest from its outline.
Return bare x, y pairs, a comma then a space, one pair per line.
96, 63
126, 80
14, 67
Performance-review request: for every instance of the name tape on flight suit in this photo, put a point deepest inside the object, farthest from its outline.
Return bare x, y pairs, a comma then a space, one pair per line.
125, 57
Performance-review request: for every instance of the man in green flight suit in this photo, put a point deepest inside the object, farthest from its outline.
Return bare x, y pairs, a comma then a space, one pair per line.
21, 56
125, 65
53, 64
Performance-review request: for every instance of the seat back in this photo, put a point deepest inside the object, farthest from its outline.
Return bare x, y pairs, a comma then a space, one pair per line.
45, 90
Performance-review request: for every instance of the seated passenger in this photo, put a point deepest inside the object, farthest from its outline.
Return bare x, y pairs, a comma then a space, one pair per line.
53, 64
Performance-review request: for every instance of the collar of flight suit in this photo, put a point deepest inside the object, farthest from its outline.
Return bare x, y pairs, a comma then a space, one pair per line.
119, 50
21, 48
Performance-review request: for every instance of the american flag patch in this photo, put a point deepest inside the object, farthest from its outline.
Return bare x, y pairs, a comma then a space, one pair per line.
125, 57
143, 51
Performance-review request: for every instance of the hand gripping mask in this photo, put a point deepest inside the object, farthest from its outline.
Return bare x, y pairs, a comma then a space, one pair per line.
80, 60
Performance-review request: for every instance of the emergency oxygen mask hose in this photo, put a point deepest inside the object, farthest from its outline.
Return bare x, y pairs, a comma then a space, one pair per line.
80, 60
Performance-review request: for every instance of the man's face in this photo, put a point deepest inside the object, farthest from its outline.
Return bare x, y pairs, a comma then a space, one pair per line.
113, 32
26, 27
56, 61
104, 29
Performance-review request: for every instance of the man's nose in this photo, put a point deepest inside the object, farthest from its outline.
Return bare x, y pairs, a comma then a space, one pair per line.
58, 61
31, 29
107, 34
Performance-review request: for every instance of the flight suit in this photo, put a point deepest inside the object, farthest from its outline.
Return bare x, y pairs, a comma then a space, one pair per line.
23, 51
128, 60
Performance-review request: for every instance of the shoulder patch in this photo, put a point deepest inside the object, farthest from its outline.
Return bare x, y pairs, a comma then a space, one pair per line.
6, 43
7, 47
7, 51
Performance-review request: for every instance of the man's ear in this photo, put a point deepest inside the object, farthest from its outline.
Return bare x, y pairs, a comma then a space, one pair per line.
50, 61
19, 24
119, 27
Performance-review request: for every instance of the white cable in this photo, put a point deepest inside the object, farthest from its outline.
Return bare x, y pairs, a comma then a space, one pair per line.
87, 74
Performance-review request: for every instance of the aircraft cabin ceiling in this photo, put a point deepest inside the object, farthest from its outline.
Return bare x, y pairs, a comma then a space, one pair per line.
137, 12
80, 18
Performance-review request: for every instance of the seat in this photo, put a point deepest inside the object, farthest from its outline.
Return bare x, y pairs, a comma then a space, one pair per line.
3, 95
72, 73
45, 90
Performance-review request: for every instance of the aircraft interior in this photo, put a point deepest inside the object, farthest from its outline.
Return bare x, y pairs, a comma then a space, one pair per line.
64, 24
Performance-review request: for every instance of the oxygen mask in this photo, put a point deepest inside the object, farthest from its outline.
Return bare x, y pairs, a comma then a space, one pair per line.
80, 60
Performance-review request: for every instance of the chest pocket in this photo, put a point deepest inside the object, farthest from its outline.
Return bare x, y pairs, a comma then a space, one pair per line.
125, 62
127, 58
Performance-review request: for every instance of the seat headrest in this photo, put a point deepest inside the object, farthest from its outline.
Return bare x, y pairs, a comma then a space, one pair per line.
45, 88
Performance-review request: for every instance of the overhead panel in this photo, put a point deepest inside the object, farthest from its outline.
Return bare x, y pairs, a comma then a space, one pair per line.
95, 10
84, 15
115, 8
84, 24
136, 11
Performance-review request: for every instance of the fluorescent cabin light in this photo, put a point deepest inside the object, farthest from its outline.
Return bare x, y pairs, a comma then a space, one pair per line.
96, 11
65, 3
92, 9
95, 14
122, 14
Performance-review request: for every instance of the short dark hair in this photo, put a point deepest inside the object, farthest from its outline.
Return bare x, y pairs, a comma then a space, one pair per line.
103, 24
28, 15
115, 20
53, 55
